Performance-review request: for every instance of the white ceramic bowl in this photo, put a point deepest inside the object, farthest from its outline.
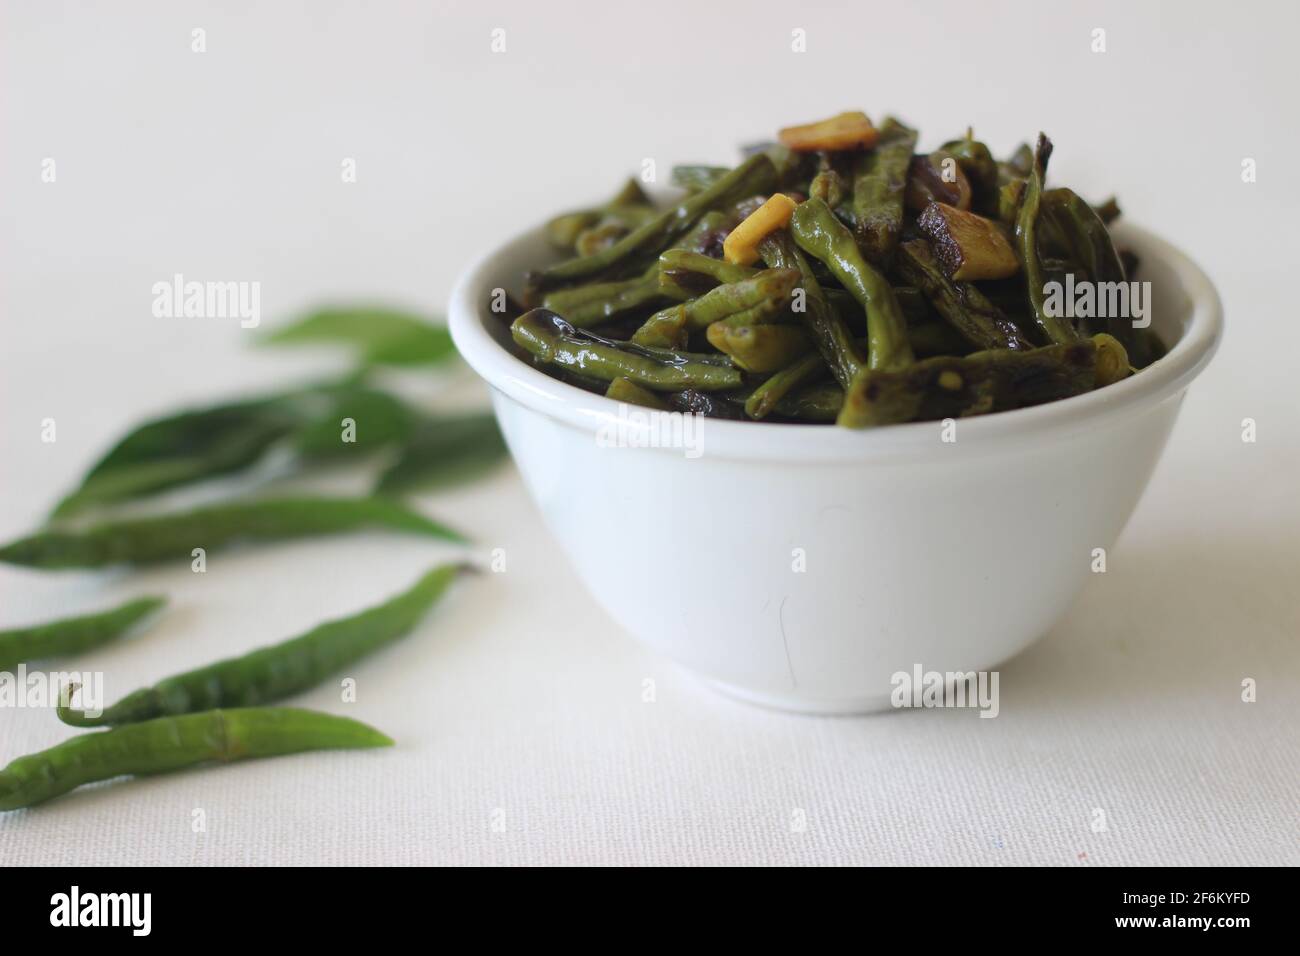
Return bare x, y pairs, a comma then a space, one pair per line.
800, 566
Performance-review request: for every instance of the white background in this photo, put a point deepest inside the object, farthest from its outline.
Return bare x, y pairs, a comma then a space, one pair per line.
518, 696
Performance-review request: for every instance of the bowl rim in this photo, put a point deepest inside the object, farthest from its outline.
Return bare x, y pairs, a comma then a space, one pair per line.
774, 441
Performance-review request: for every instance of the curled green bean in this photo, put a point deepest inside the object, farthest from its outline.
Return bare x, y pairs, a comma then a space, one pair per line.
1055, 328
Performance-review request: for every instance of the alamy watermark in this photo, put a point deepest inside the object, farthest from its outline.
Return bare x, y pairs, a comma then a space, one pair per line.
45, 689
179, 299
922, 688
1098, 300
637, 427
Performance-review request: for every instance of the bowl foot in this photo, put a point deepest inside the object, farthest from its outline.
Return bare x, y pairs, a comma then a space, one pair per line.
796, 703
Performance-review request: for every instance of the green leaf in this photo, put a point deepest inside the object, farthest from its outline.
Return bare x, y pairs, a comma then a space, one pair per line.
180, 449
379, 336
374, 419
444, 451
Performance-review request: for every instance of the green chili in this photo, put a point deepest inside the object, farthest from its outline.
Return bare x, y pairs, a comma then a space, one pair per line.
280, 670
175, 536
173, 743
73, 634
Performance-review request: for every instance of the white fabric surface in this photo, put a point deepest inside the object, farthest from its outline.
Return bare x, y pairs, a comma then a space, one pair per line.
522, 734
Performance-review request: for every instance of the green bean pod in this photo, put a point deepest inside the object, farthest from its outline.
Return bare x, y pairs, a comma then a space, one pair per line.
696, 178
821, 235
626, 391
174, 536
691, 273
755, 300
879, 180
1056, 329
962, 304
630, 206
73, 634
551, 339
280, 670
597, 302
1088, 243
770, 393
813, 403
829, 332
755, 175
760, 348
173, 743
990, 381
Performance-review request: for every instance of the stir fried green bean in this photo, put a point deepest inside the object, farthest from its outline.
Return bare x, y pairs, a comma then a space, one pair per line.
897, 286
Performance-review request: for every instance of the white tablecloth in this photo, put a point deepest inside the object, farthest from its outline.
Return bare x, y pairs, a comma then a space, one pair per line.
522, 733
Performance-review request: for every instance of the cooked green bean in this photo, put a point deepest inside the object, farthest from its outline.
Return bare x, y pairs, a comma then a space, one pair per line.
982, 382
281, 670
1055, 328
874, 255
73, 634
755, 175
173, 743
962, 304
627, 391
824, 237
879, 178
630, 205
764, 398
980, 167
760, 348
597, 302
683, 268
813, 403
695, 178
1089, 246
175, 536
829, 332
829, 186
556, 342
751, 301
936, 338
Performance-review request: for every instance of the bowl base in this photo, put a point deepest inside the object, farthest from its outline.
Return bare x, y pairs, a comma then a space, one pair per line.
794, 703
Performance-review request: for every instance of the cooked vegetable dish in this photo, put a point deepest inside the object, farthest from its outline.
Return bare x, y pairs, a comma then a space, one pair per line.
838, 275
